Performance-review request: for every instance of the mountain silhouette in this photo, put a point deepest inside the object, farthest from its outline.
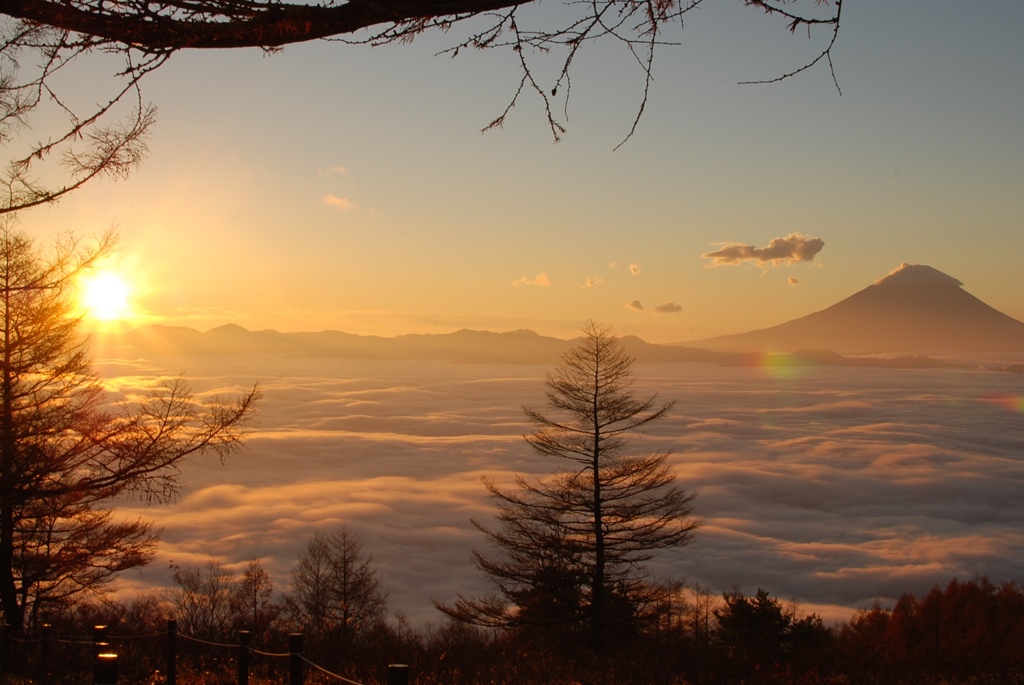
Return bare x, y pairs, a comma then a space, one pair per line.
465, 346
916, 308
461, 346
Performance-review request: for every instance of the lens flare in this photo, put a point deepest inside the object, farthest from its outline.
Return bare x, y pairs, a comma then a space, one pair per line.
1014, 403
781, 366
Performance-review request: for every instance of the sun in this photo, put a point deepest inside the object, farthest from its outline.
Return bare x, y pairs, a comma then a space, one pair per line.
105, 296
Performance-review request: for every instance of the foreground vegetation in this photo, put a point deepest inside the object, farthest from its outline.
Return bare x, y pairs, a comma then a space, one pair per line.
967, 632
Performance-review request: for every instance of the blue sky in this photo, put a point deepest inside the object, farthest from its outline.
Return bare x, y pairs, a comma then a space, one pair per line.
345, 187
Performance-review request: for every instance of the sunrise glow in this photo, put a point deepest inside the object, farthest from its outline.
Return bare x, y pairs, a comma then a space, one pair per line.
105, 296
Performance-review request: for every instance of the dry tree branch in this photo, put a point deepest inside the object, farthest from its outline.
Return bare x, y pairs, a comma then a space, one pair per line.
796, 22
105, 138
146, 33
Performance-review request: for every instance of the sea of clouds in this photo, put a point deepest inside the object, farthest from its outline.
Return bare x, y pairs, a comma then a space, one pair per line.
831, 487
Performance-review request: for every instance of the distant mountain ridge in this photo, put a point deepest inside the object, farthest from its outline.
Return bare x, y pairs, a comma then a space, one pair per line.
464, 346
891, 323
914, 309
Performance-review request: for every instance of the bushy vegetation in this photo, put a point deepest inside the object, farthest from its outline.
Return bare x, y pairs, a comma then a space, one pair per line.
967, 632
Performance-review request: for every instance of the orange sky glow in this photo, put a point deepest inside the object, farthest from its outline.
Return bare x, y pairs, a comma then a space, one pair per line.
332, 187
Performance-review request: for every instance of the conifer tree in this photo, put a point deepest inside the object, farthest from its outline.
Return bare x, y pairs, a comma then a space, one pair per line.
570, 549
65, 453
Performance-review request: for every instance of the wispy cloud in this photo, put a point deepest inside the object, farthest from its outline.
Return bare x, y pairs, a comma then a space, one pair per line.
540, 279
613, 265
634, 269
339, 202
332, 170
668, 308
592, 281
635, 306
793, 280
793, 248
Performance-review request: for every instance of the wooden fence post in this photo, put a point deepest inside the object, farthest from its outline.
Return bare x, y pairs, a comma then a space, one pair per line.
45, 674
99, 639
172, 651
104, 665
398, 674
104, 669
244, 638
296, 670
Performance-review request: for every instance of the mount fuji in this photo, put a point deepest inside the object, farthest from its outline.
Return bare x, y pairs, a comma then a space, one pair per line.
916, 308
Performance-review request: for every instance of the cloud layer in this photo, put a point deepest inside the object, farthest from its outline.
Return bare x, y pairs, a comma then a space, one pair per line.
793, 248
830, 486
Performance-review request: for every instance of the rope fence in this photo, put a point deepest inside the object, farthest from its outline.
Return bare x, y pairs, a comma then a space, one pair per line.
106, 660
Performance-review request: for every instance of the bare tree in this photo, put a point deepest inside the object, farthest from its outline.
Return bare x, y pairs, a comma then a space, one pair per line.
701, 611
202, 599
64, 453
308, 603
336, 592
253, 602
571, 548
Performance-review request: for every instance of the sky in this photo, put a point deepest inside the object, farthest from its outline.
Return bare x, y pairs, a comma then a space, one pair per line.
345, 187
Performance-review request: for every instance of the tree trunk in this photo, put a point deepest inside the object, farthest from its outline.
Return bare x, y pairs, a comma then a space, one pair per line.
597, 591
12, 610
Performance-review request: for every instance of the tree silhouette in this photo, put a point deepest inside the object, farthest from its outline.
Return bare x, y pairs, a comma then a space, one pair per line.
967, 629
571, 548
202, 600
253, 604
64, 454
765, 642
336, 593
